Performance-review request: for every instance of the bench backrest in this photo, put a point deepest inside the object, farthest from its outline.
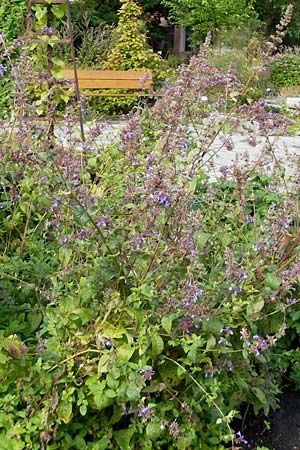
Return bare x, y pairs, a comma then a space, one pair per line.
111, 79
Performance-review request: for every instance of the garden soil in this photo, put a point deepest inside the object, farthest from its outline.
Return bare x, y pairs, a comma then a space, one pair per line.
280, 430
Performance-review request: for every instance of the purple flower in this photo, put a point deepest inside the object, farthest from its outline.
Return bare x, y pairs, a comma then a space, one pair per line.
245, 336
224, 170
226, 330
101, 223
174, 429
51, 223
252, 141
240, 439
82, 234
291, 300
163, 199
18, 42
211, 371
244, 276
109, 343
47, 31
42, 344
2, 70
145, 413
248, 218
182, 145
223, 340
104, 222
147, 373
54, 205
228, 364
63, 240
229, 145
262, 344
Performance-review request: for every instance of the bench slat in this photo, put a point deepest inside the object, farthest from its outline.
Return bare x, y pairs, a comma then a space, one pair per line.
112, 79
111, 84
123, 94
107, 74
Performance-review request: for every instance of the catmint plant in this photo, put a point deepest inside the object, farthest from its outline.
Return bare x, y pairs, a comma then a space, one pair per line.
145, 301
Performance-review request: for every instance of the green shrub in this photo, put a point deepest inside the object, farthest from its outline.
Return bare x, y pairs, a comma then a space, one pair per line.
284, 71
6, 96
92, 44
237, 38
256, 82
130, 50
12, 15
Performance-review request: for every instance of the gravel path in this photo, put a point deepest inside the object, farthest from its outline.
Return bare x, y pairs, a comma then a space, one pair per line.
286, 148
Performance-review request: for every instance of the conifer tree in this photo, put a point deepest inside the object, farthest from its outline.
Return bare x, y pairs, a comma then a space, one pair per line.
130, 49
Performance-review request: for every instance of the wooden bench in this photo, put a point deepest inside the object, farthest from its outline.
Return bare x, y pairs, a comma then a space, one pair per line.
136, 83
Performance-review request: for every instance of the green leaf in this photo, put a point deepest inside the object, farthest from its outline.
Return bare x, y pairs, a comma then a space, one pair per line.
3, 358
111, 381
212, 325
40, 111
86, 289
58, 62
79, 442
34, 318
102, 444
65, 98
102, 401
226, 129
64, 410
111, 331
192, 354
58, 11
260, 395
227, 238
211, 342
234, 94
122, 438
125, 352
133, 392
81, 216
84, 314
272, 281
202, 238
44, 95
41, 13
157, 344
83, 409
137, 315
110, 393
255, 307
245, 354
64, 255
103, 363
153, 430
155, 387
166, 323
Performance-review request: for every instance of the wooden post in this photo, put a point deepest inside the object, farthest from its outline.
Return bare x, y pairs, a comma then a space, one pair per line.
179, 41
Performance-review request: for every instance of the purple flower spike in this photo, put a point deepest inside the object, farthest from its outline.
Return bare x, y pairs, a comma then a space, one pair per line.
240, 439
